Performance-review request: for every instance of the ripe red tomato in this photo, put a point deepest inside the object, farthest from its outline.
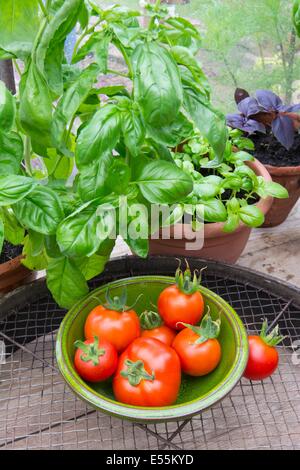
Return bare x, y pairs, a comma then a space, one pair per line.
175, 306
95, 360
181, 302
162, 333
263, 356
197, 359
114, 322
148, 374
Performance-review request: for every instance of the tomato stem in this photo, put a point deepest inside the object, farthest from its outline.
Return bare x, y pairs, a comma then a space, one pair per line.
118, 303
187, 282
91, 352
274, 337
136, 372
150, 320
208, 329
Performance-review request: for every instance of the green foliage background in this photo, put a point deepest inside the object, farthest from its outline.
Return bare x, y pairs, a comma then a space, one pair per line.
247, 44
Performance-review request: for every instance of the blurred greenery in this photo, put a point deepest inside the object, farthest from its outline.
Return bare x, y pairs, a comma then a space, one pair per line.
246, 44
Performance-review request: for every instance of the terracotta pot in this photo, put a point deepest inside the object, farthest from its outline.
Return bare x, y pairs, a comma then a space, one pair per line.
218, 245
13, 274
289, 177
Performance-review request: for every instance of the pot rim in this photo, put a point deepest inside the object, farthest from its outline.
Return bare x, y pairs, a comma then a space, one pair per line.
283, 170
214, 230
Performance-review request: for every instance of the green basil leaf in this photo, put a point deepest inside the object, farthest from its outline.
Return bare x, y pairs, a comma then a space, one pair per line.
58, 166
206, 188
183, 56
173, 134
7, 108
214, 210
92, 178
36, 241
132, 127
1, 234
138, 246
179, 31
240, 156
232, 223
296, 16
13, 231
71, 100
161, 151
163, 182
94, 265
209, 121
41, 210
66, 282
98, 44
137, 230
32, 260
78, 234
36, 106
49, 52
157, 84
14, 188
51, 247
276, 190
19, 23
252, 216
99, 136
119, 176
11, 153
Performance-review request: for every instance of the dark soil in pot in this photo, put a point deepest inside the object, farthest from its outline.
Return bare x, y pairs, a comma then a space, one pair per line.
284, 167
270, 152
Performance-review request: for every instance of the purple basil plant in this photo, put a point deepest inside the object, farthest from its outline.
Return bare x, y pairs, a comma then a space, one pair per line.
265, 111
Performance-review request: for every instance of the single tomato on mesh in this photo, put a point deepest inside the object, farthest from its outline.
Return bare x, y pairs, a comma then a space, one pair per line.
263, 356
198, 348
95, 360
148, 374
114, 322
182, 302
153, 327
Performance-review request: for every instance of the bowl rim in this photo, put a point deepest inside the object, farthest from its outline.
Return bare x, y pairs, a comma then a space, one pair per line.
152, 414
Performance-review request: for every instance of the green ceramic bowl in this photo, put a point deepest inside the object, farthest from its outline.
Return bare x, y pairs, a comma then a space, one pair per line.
196, 394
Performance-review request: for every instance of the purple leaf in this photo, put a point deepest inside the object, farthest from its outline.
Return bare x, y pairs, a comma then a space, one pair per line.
249, 107
268, 100
283, 130
240, 94
252, 126
290, 109
237, 121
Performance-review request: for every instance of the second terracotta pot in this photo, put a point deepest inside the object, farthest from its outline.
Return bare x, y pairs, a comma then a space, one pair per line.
289, 177
13, 274
218, 245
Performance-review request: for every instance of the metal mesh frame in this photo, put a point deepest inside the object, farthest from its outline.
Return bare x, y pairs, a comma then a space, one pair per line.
38, 411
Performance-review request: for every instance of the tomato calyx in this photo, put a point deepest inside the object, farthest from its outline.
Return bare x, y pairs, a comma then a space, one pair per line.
136, 372
91, 352
150, 320
208, 329
187, 282
274, 337
118, 303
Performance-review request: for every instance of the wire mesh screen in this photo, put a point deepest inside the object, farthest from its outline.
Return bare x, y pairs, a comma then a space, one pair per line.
38, 411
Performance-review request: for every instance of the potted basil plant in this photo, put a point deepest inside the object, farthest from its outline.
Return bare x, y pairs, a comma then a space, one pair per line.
234, 197
76, 147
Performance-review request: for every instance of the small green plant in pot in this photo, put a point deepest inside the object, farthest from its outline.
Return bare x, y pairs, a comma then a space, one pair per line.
232, 198
273, 127
75, 154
